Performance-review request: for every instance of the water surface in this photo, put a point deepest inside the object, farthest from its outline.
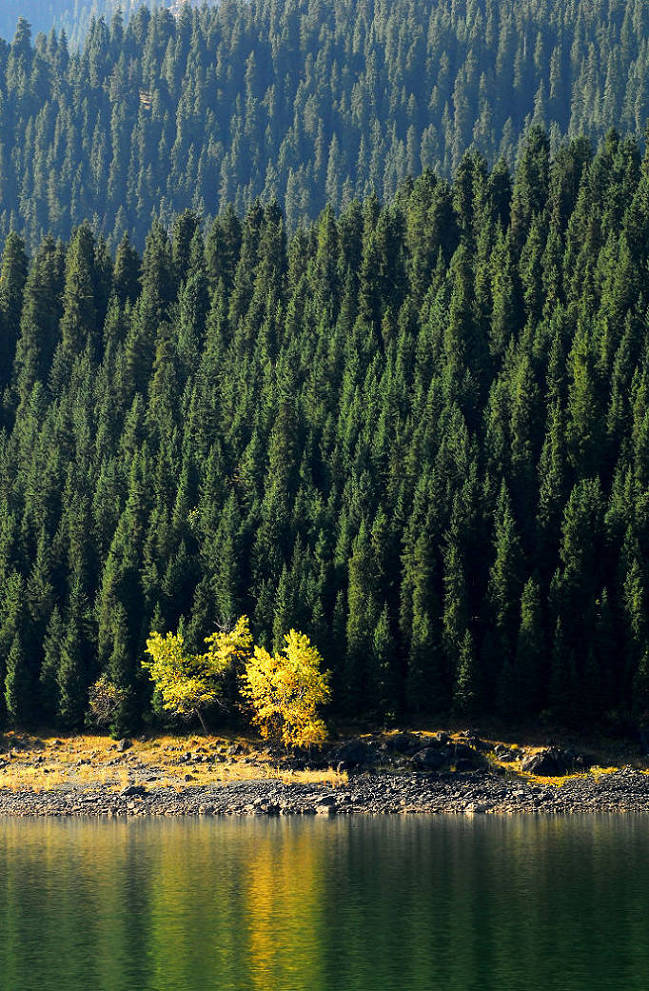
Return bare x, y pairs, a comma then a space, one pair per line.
316, 905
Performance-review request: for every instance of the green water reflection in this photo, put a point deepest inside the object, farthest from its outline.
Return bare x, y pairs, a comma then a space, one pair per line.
313, 905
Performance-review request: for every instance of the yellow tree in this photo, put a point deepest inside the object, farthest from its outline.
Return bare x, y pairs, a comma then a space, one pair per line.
191, 683
285, 691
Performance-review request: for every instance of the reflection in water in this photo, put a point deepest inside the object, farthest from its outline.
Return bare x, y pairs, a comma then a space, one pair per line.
286, 905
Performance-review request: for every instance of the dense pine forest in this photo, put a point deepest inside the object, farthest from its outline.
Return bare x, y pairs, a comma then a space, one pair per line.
417, 431
312, 102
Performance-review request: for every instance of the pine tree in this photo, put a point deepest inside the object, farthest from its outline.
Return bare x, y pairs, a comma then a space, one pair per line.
362, 617
17, 685
529, 679
13, 275
49, 687
70, 679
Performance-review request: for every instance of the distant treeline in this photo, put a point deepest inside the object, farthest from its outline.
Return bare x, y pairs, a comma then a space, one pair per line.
418, 432
312, 102
74, 17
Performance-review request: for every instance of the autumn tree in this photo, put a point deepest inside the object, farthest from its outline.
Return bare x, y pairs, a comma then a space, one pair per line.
189, 684
286, 691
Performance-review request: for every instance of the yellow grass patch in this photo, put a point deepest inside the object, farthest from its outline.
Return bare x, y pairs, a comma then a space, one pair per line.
33, 763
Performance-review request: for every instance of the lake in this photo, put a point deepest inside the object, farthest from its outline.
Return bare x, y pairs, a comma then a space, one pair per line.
350, 904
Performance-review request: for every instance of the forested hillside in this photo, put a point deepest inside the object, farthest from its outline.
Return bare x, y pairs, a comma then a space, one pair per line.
311, 101
419, 432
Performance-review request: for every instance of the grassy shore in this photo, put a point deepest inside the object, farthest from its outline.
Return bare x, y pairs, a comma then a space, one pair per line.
43, 763
30, 762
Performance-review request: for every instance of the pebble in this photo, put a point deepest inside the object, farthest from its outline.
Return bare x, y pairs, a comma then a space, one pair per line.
375, 794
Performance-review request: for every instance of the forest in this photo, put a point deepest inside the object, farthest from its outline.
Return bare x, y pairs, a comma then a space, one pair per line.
417, 431
310, 102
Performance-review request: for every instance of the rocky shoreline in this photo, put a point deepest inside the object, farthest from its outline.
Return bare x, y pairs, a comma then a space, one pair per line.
373, 793
396, 773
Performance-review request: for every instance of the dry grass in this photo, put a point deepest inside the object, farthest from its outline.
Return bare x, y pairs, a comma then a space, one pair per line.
42, 763
47, 763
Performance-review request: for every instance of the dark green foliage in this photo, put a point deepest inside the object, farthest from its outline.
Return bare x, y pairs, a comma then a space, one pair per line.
70, 680
419, 432
18, 688
196, 107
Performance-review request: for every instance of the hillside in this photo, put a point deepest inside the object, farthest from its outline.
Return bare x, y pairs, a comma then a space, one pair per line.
309, 101
417, 432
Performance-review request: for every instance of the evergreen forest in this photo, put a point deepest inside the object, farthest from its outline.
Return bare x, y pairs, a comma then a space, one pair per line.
416, 430
310, 102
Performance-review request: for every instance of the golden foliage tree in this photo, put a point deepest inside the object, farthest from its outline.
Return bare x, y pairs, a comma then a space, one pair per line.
189, 684
285, 691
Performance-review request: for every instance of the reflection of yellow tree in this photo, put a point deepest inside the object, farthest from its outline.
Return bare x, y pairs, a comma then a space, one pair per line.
285, 897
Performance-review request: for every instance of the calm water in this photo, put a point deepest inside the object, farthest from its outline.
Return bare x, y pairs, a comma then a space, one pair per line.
282, 905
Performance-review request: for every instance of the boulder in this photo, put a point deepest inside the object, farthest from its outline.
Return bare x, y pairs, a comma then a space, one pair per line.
402, 743
466, 752
132, 791
354, 753
553, 762
471, 739
463, 764
124, 745
504, 753
430, 759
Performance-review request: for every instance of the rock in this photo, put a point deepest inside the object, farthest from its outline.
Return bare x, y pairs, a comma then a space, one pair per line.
550, 763
430, 759
354, 753
124, 745
463, 764
402, 743
470, 739
131, 791
235, 749
504, 753
464, 751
